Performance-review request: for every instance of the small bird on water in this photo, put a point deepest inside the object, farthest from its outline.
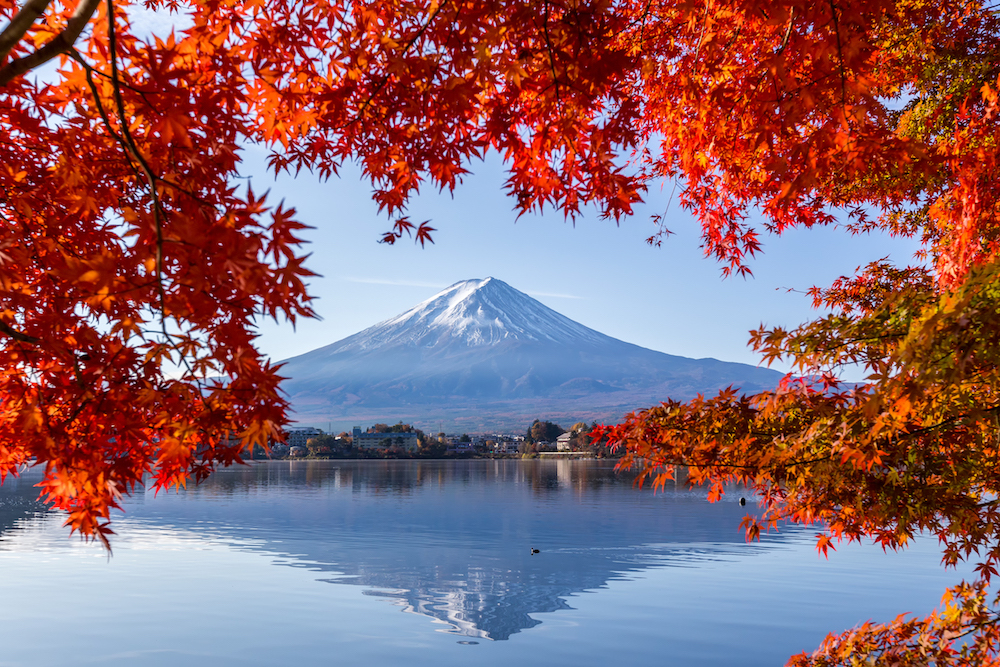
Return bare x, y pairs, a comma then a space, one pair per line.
534, 551
743, 501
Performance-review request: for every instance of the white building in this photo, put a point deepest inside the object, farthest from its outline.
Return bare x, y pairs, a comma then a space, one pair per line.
407, 441
298, 436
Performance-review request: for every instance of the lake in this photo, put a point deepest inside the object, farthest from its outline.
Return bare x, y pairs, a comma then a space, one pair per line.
431, 563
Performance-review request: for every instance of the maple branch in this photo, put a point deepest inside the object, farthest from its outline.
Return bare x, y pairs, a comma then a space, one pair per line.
134, 150
90, 70
75, 55
701, 37
385, 79
548, 49
19, 25
840, 57
58, 45
941, 424
788, 33
17, 335
642, 22
129, 146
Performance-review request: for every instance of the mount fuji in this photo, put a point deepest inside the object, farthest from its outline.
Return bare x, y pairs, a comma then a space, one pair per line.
481, 356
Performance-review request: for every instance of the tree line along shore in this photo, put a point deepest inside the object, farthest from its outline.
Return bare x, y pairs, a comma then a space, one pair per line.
404, 441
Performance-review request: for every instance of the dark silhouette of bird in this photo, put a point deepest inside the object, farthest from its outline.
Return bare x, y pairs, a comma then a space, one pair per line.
743, 501
534, 551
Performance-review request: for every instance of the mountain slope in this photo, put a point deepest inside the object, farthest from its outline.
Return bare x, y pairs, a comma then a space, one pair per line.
481, 355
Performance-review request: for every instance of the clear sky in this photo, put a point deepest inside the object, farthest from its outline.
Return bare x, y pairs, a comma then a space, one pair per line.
670, 299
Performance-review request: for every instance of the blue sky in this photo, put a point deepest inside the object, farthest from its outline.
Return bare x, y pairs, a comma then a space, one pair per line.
670, 299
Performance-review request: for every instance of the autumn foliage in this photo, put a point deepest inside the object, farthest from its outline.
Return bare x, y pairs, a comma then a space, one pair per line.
134, 265
881, 116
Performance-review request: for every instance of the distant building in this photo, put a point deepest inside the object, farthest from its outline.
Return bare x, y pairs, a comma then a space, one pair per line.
298, 436
562, 442
461, 448
505, 447
407, 441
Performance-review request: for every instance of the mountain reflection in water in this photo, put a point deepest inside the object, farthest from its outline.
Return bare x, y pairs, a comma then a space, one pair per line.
449, 540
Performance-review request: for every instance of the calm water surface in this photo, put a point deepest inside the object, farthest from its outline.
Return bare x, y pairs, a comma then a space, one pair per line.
430, 563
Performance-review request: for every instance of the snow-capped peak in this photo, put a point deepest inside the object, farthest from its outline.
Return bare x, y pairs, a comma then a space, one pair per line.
483, 352
474, 312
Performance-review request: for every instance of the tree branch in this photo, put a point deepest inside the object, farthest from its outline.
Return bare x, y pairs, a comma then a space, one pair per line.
17, 335
19, 25
385, 79
840, 56
133, 149
58, 45
788, 33
548, 49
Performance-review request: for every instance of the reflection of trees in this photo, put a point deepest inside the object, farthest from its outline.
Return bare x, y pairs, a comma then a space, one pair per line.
448, 539
382, 476
452, 539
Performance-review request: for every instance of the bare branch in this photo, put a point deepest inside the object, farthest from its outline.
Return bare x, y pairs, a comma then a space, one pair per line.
19, 25
58, 45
